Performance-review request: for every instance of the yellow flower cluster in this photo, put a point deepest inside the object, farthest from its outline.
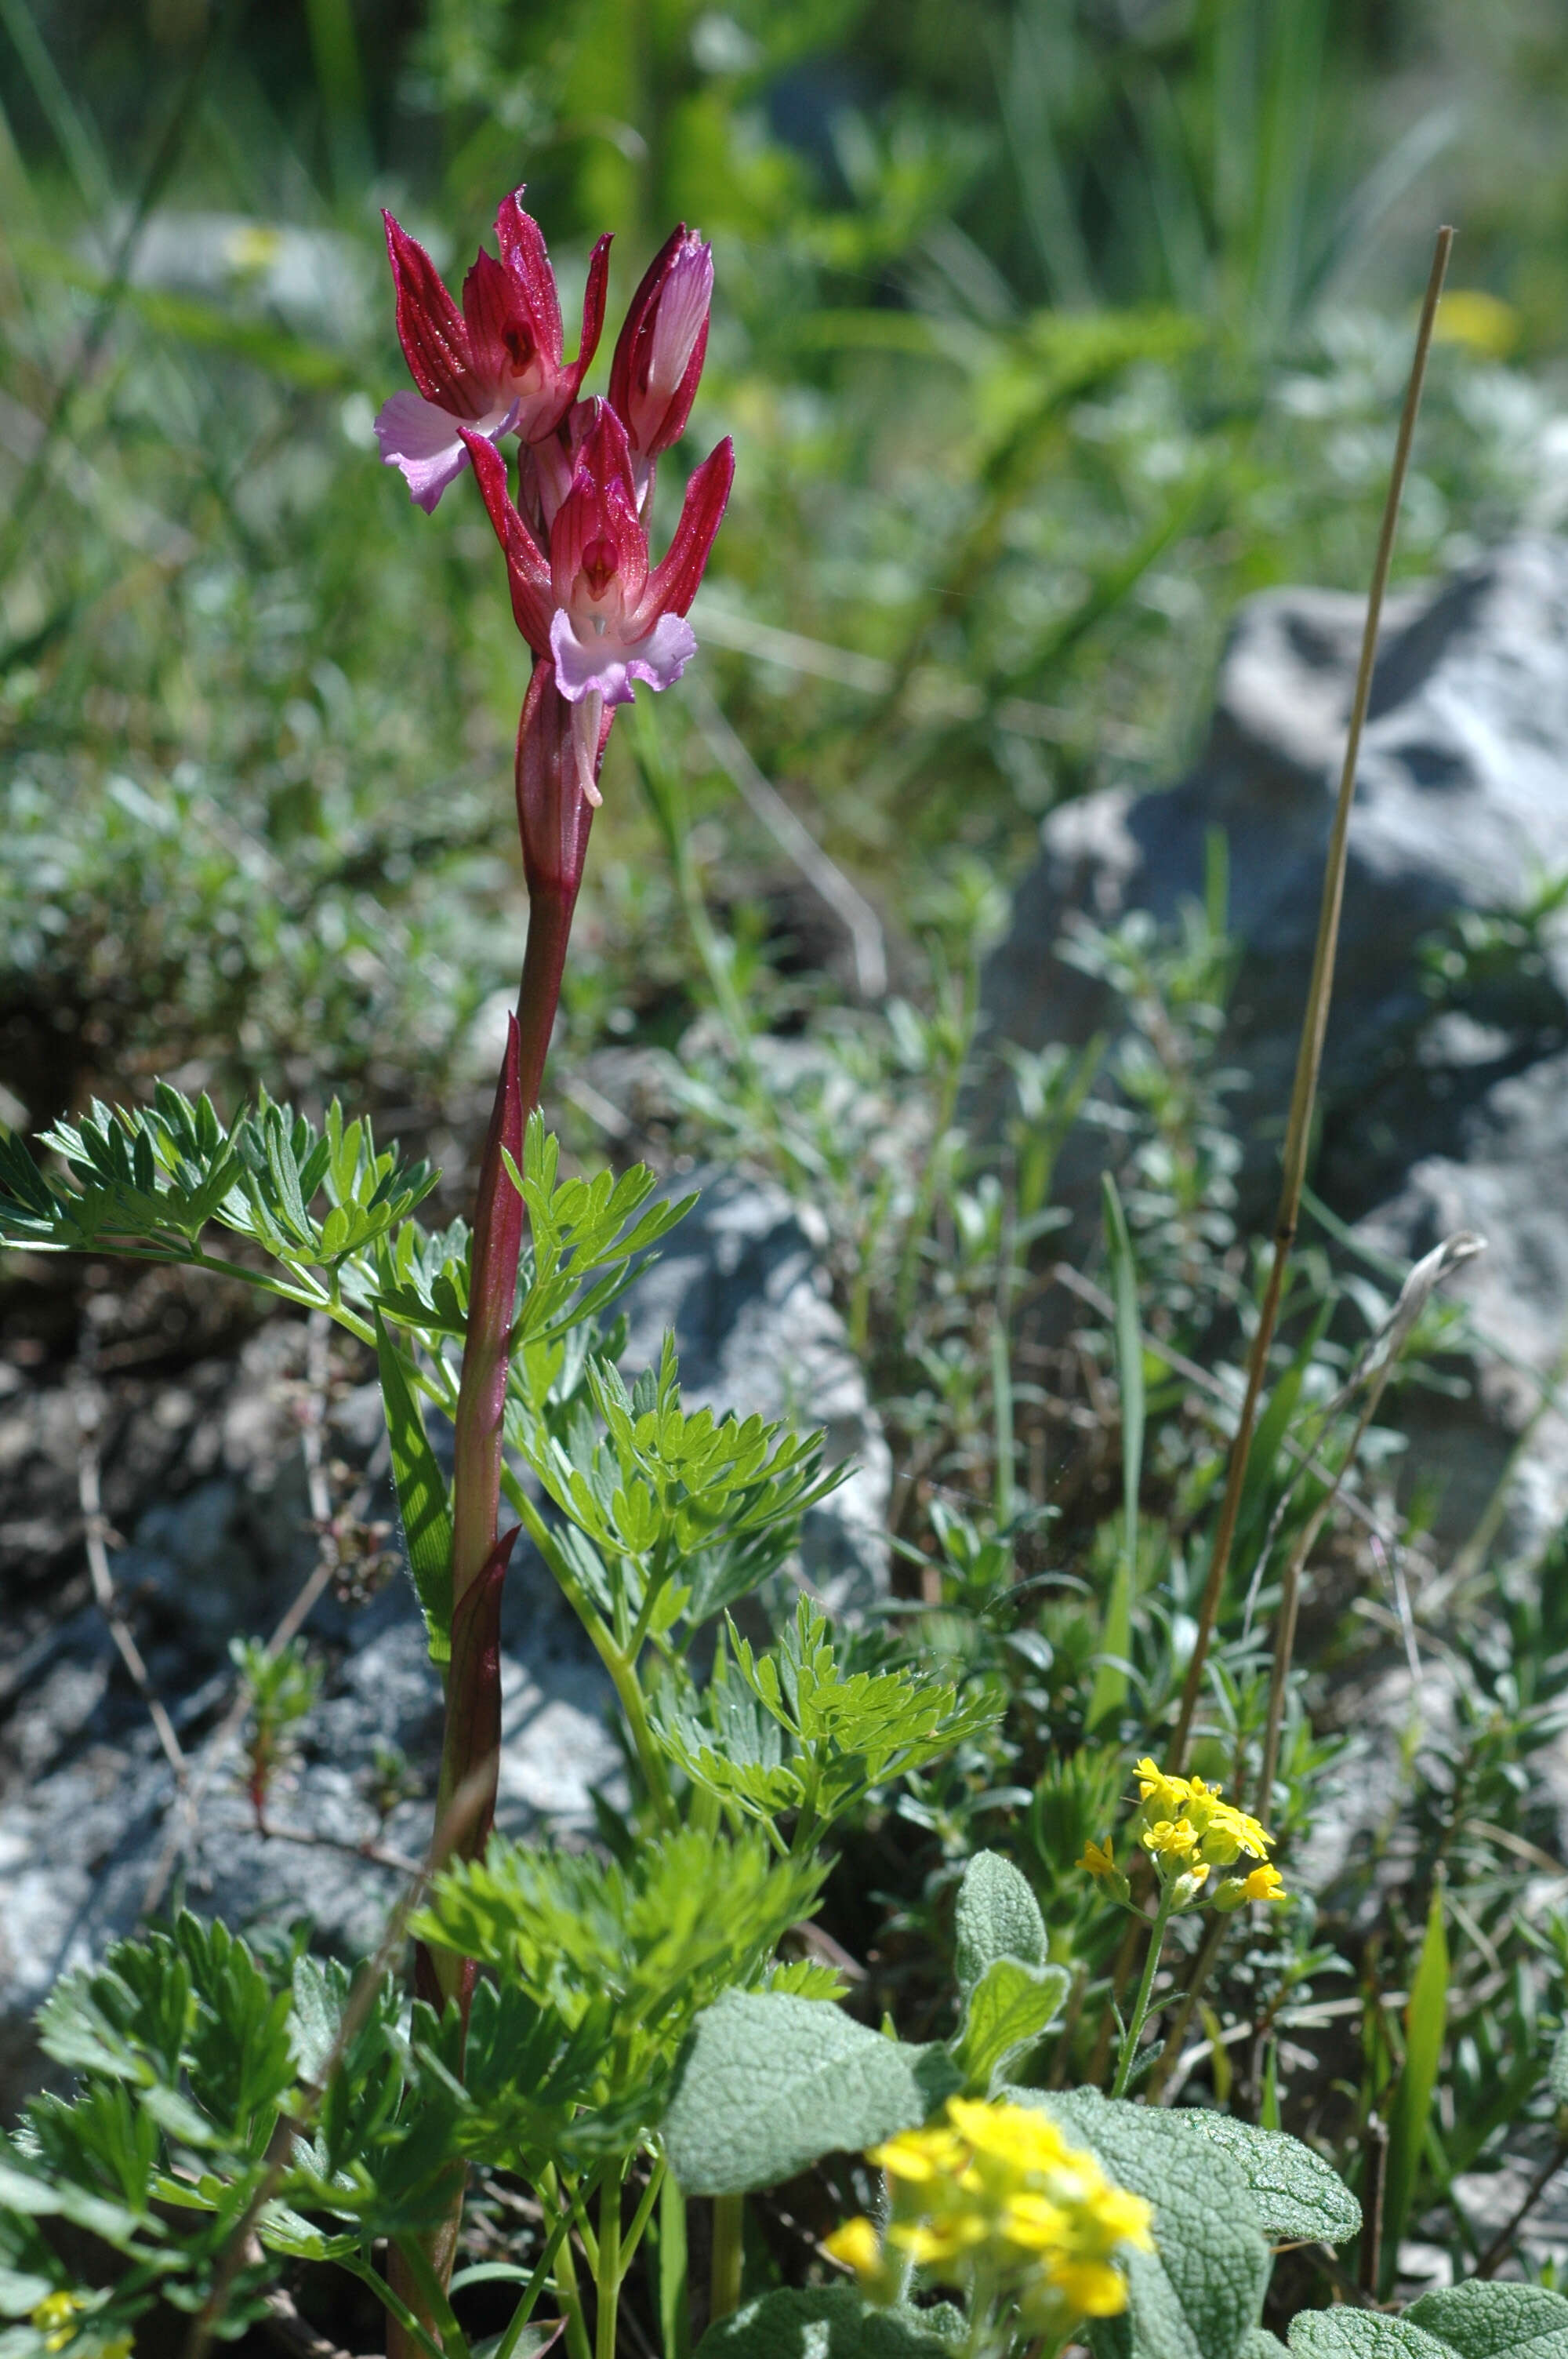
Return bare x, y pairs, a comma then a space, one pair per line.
995, 2200
57, 2319
1187, 1828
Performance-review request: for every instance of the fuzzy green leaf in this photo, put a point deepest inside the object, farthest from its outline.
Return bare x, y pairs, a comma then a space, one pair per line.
1346, 2333
1005, 2014
1483, 2320
1299, 2197
996, 1916
1197, 2295
836, 2324
767, 2083
421, 1498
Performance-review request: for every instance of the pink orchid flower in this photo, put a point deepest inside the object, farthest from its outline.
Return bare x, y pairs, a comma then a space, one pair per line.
660, 350
495, 367
593, 607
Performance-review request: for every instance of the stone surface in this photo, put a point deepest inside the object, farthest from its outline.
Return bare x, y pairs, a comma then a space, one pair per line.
206, 1478
1434, 1119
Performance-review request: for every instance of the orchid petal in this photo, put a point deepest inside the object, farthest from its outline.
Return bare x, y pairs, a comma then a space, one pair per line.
659, 353
526, 570
675, 582
425, 441
430, 328
597, 530
593, 301
609, 667
528, 260
504, 338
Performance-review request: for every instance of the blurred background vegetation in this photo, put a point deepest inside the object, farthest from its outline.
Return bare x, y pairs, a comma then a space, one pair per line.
1046, 330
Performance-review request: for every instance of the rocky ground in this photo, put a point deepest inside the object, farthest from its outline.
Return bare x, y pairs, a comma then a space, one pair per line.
244, 1484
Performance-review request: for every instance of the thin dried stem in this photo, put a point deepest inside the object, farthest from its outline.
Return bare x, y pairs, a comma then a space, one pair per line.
1375, 1373
95, 1533
1309, 1062
1498, 2249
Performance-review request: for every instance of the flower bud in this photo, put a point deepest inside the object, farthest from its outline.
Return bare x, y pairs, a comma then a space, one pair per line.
659, 357
1189, 1888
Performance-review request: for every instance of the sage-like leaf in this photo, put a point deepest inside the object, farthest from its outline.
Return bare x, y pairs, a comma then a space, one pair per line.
769, 2082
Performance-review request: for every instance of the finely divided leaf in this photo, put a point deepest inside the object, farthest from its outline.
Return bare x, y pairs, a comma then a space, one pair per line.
767, 2083
997, 1917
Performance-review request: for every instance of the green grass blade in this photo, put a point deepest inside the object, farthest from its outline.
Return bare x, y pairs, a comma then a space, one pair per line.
674, 2318
1110, 1692
1426, 2020
421, 1498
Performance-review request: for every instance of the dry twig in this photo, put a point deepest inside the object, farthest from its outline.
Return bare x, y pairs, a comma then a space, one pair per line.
1303, 1096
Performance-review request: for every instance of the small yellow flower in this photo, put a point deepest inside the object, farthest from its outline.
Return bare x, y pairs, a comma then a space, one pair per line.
994, 2196
1091, 2288
1034, 2223
1170, 1839
858, 2246
1098, 1859
1468, 315
55, 2318
1166, 1797
916, 2156
1264, 1884
1018, 2136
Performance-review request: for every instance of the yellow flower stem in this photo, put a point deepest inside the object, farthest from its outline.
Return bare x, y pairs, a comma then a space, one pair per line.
1141, 2003
567, 2292
981, 2338
729, 2253
608, 2270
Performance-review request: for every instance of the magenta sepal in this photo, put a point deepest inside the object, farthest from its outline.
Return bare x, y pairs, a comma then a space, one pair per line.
491, 368
660, 350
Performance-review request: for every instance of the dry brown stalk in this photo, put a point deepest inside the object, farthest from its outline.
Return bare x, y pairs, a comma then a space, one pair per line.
1309, 1062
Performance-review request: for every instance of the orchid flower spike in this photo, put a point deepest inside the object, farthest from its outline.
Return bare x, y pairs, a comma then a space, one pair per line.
592, 606
493, 368
660, 350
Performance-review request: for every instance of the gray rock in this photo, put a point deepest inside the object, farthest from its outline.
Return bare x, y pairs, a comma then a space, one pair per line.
1434, 1119
1461, 803
92, 1805
746, 1297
